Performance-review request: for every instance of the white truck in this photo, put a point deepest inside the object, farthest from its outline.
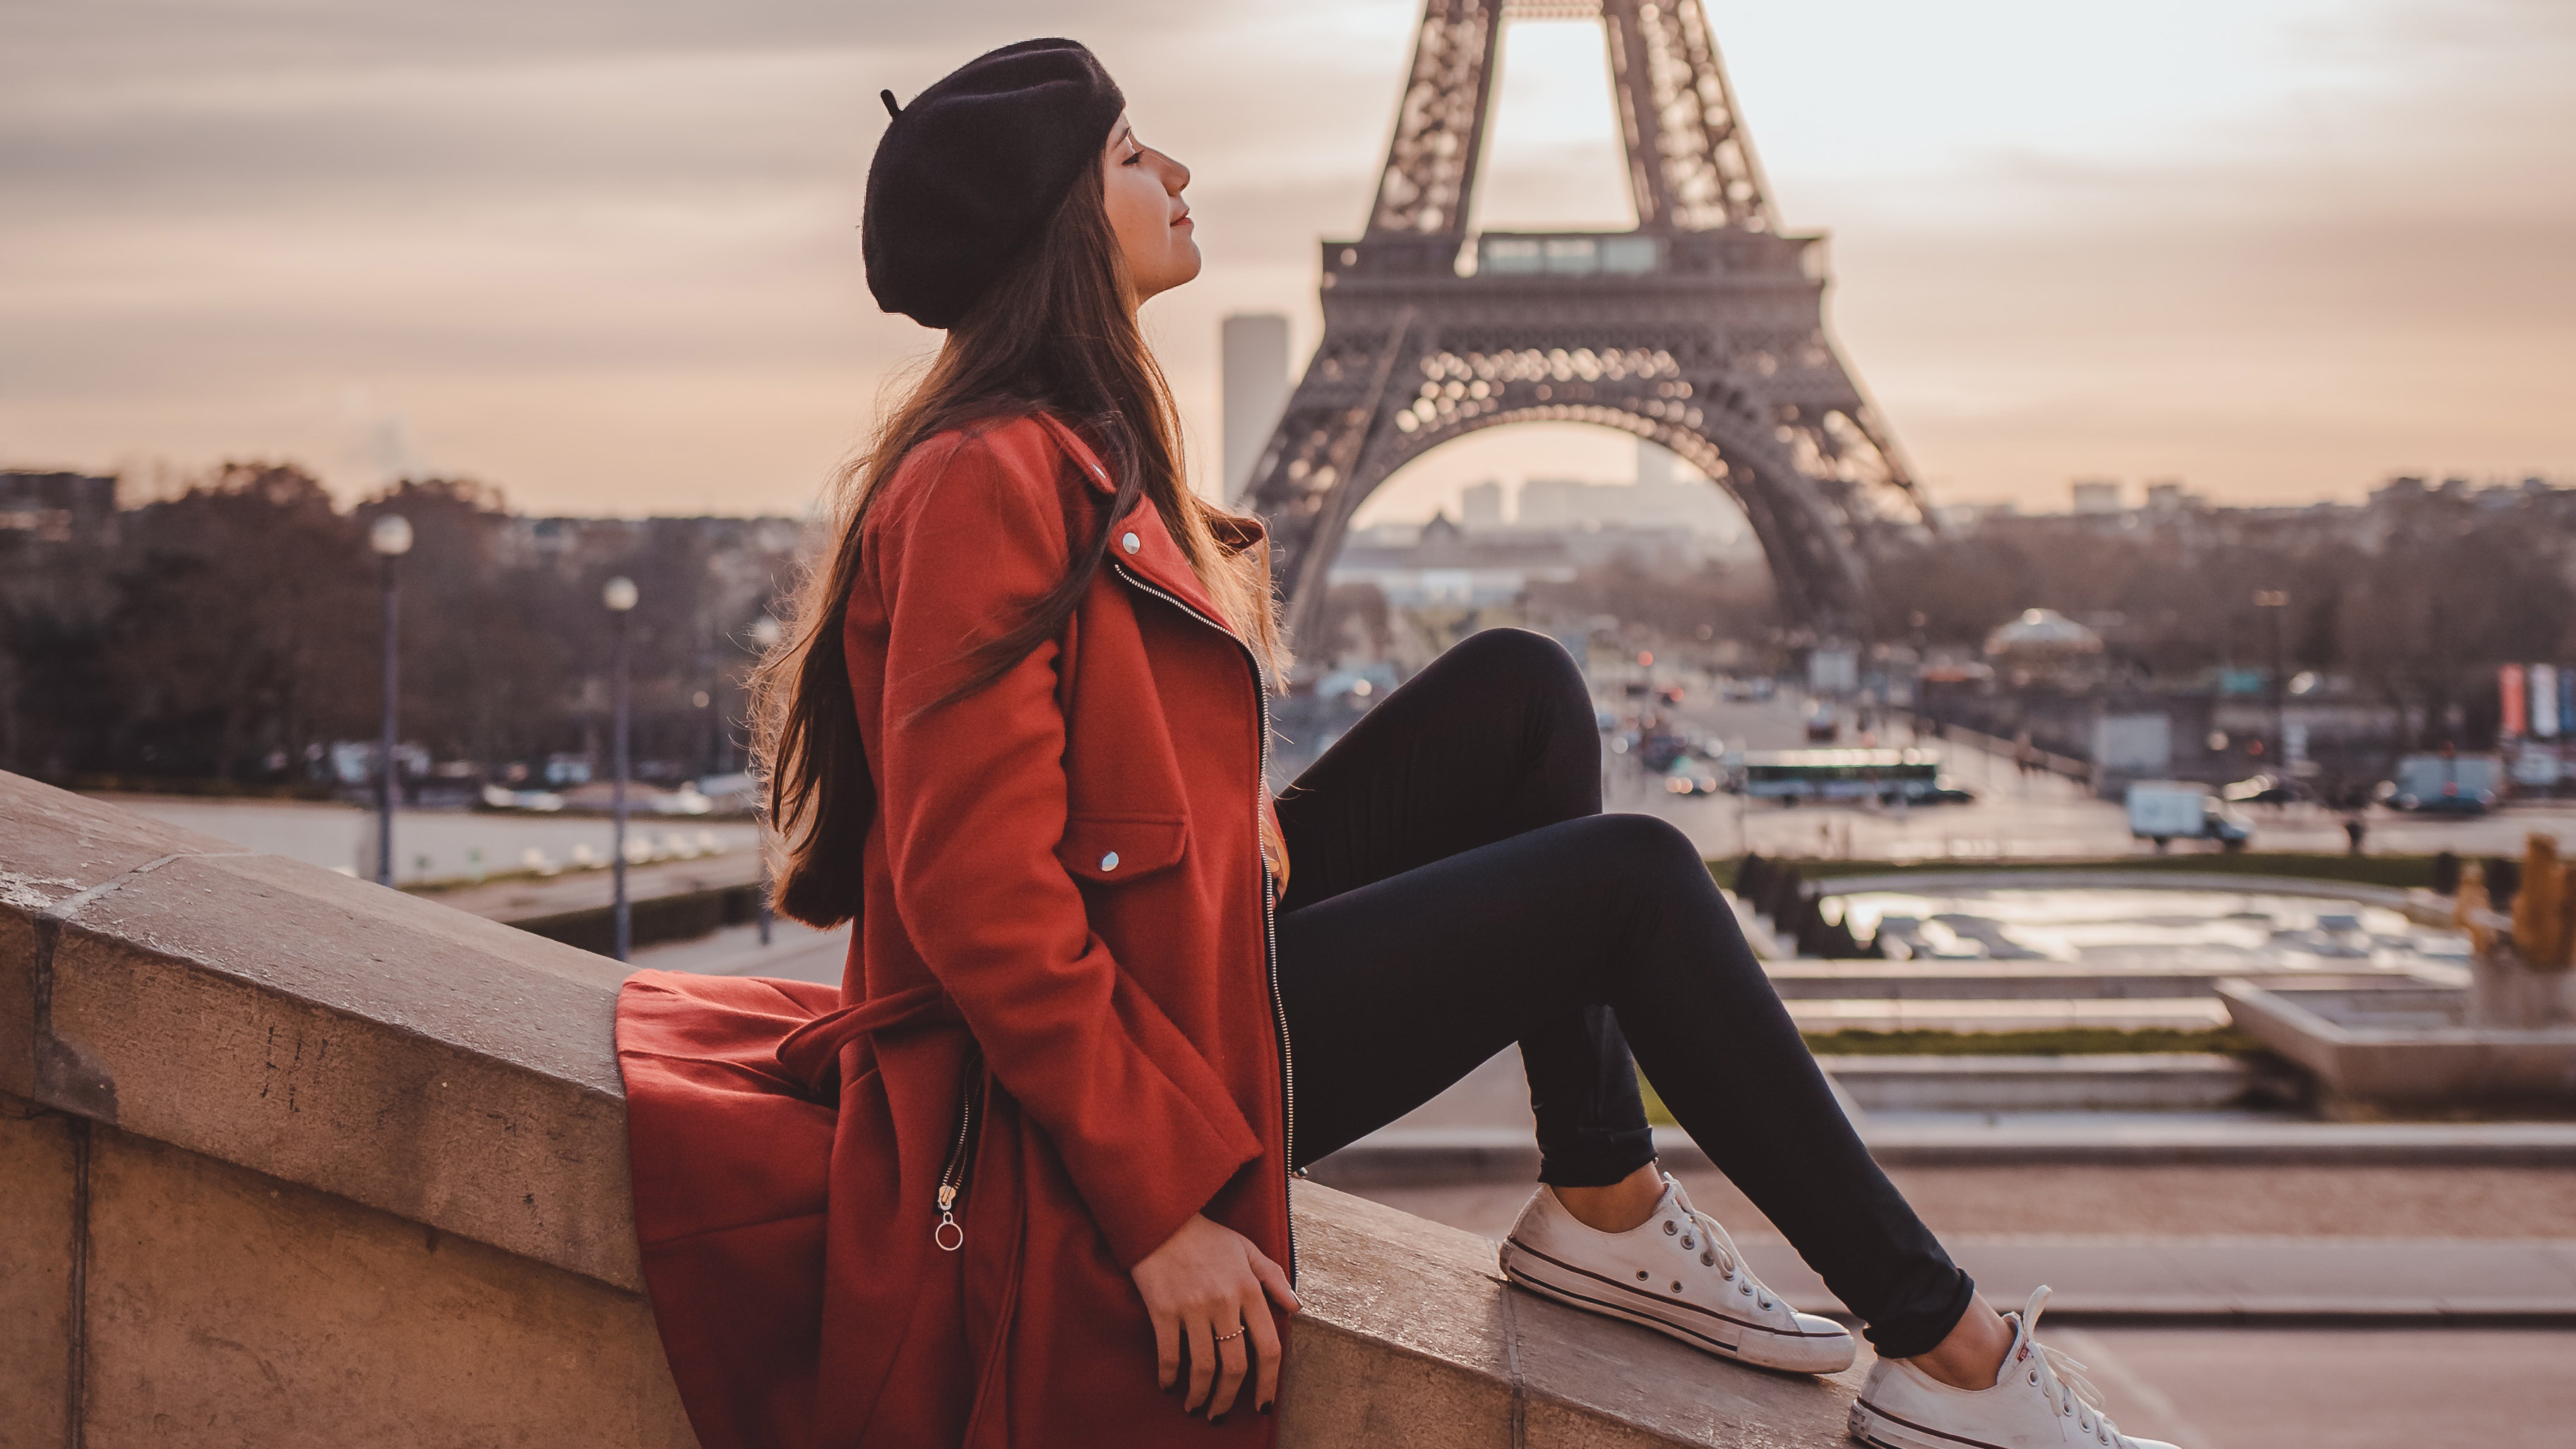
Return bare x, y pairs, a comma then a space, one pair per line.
2165, 811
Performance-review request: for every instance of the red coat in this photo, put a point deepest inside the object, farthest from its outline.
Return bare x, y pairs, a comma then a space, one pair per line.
1064, 873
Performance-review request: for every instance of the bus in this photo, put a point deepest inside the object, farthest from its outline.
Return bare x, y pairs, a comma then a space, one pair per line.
1890, 775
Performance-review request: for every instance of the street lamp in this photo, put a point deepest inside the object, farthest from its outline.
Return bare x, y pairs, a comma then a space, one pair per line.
390, 537
765, 634
619, 596
2276, 602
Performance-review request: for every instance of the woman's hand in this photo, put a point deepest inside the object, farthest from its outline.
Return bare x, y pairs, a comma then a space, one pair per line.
1204, 1282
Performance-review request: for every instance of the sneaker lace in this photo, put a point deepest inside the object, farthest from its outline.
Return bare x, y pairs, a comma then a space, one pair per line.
2061, 1378
1716, 1249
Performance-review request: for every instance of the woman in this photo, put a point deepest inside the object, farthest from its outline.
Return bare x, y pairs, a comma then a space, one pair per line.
1023, 1179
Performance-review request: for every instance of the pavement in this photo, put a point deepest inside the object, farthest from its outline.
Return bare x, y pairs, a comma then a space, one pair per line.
2016, 814
2345, 1388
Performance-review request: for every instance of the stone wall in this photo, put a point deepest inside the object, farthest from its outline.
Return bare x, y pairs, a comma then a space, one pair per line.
289, 1159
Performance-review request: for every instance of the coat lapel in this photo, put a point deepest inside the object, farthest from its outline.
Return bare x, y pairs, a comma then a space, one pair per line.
1156, 559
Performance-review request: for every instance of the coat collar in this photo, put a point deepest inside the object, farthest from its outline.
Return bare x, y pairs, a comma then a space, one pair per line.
1157, 559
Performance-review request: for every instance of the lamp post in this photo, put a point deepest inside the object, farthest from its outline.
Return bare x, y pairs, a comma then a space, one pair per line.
390, 537
764, 636
2276, 602
619, 596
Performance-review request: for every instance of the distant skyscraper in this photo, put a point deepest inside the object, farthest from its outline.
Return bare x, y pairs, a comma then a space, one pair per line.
1480, 505
2097, 495
1256, 389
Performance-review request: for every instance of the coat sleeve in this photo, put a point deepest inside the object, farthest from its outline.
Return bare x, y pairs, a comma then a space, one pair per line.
974, 802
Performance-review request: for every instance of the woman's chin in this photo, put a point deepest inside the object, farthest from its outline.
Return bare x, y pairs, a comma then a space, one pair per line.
1185, 265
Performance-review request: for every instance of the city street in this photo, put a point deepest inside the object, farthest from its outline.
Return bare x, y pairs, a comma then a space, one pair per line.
2016, 813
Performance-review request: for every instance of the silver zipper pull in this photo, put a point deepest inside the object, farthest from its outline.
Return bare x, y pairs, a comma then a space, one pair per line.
948, 1235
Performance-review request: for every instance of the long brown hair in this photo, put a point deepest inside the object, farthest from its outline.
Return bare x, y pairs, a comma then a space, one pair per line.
1056, 334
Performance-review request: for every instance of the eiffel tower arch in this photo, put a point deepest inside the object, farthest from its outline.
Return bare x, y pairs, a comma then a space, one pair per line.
1702, 329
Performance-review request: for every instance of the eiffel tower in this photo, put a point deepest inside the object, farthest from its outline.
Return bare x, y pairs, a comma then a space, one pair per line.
1702, 329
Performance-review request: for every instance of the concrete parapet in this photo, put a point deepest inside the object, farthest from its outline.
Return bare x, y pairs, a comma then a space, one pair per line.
289, 1159
2122, 1082
2406, 1049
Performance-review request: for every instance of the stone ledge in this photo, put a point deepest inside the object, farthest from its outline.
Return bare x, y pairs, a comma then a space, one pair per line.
314, 1028
339, 1066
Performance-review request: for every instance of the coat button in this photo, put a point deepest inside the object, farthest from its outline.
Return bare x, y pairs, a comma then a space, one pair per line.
1110, 861
1130, 542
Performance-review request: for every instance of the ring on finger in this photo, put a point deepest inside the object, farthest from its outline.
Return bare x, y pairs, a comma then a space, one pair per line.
1229, 1337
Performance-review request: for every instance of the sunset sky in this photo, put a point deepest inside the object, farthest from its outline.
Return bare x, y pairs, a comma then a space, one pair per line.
602, 253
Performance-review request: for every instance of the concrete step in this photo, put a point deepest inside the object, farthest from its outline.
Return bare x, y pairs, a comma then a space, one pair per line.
2130, 1082
1808, 979
1415, 1156
2175, 1013
2528, 1282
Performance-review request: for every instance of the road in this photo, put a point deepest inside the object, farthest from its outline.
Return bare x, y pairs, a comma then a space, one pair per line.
2015, 814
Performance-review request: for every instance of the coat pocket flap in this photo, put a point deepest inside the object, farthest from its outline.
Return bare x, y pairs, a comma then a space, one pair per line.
1105, 849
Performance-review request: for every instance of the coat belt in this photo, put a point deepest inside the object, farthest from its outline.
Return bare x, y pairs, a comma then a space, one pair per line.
812, 1052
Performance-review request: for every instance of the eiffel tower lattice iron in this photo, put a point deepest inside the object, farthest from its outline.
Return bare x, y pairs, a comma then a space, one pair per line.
1703, 329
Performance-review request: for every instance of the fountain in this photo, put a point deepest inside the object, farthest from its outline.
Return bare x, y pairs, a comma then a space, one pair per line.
2506, 1041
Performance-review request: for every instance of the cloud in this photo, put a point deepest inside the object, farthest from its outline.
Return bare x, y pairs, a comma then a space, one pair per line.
603, 254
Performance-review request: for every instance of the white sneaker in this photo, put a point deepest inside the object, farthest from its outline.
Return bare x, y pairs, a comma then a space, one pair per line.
1677, 1273
2041, 1400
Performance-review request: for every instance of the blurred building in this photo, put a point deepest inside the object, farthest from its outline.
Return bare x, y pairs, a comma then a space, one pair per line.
1480, 506
2174, 514
1254, 349
2097, 495
1445, 566
1694, 506
2043, 646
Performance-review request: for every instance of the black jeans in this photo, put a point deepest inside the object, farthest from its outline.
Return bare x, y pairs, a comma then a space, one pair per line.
1454, 888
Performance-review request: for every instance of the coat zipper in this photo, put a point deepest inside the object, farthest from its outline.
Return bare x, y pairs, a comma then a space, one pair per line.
952, 1178
1269, 908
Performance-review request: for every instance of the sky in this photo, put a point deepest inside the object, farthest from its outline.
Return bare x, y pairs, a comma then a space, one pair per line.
603, 254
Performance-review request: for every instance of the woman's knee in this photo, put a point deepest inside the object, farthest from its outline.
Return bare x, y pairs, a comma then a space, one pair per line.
1529, 662
1648, 850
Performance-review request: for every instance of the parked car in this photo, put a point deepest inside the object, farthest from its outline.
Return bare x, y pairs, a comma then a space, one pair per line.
1658, 749
2260, 790
1691, 775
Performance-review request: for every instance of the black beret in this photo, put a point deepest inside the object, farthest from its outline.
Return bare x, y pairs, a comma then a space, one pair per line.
969, 172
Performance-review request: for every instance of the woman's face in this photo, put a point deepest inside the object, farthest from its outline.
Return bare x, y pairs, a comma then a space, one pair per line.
1152, 223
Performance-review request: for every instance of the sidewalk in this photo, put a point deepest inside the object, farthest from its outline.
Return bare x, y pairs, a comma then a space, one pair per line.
593, 888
